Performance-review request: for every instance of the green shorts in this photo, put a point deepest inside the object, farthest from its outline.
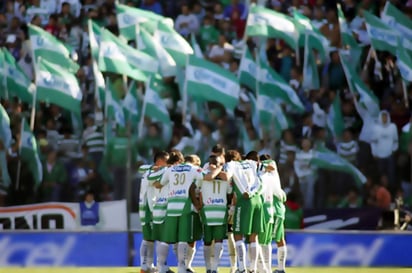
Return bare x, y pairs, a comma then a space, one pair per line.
217, 233
265, 238
197, 227
147, 226
279, 229
178, 229
248, 216
157, 232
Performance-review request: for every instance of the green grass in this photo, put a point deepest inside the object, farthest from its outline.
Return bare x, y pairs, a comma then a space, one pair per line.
201, 270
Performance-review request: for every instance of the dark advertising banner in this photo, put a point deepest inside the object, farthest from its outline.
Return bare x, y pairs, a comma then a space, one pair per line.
345, 219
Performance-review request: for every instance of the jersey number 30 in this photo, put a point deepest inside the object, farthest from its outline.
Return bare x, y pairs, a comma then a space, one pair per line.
180, 179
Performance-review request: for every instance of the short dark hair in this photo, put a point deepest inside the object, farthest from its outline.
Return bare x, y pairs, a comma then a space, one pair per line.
175, 157
160, 155
218, 149
213, 159
253, 155
265, 157
233, 155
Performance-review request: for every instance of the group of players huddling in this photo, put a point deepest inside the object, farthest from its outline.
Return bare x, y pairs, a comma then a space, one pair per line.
233, 198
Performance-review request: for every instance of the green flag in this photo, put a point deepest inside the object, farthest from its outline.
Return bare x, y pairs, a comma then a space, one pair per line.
326, 159
310, 68
404, 63
94, 38
382, 36
247, 70
3, 68
207, 81
274, 86
17, 83
246, 143
270, 113
335, 118
29, 152
47, 47
114, 106
367, 98
316, 40
396, 19
348, 40
130, 103
153, 104
269, 23
5, 132
128, 17
146, 43
173, 42
58, 86
117, 57
99, 85
196, 47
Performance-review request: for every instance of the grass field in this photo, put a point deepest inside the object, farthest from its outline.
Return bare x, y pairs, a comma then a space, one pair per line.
201, 270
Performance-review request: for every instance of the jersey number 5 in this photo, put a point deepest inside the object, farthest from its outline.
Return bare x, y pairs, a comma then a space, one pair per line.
180, 179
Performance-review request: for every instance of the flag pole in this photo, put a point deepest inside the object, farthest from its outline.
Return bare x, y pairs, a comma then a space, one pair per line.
405, 93
141, 121
185, 98
105, 123
137, 33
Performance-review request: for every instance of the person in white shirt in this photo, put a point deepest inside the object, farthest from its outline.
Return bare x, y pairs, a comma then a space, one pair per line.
384, 145
220, 53
186, 23
305, 172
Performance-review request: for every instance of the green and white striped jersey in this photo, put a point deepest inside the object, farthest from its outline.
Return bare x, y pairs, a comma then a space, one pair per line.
143, 201
95, 140
158, 197
268, 196
214, 197
179, 178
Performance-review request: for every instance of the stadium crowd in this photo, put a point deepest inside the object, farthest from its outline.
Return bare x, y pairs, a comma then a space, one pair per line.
76, 158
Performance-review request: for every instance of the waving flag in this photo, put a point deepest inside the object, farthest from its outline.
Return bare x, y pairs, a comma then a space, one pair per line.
94, 38
130, 102
128, 17
382, 36
55, 85
117, 57
310, 68
247, 70
270, 113
114, 108
268, 23
335, 118
404, 62
47, 47
207, 81
173, 42
29, 152
147, 44
154, 106
5, 131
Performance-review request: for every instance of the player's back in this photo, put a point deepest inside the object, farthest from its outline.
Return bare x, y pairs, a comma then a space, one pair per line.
244, 174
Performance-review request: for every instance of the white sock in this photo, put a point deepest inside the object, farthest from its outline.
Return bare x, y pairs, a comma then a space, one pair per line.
253, 256
282, 253
241, 255
182, 256
162, 251
191, 251
232, 249
266, 251
150, 254
218, 255
260, 261
144, 255
207, 254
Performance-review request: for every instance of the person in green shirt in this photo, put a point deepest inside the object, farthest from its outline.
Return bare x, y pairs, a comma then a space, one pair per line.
115, 160
352, 199
294, 212
54, 177
208, 34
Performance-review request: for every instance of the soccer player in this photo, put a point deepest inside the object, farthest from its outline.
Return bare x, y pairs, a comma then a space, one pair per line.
180, 179
214, 215
146, 203
248, 216
279, 198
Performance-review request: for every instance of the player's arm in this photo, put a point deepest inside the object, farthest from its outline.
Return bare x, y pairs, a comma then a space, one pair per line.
163, 181
214, 171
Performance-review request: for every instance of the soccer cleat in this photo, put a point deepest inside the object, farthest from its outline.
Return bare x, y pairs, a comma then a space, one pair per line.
214, 271
170, 271
279, 271
190, 270
233, 270
238, 271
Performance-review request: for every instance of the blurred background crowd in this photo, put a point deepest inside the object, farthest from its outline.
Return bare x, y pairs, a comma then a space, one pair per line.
75, 157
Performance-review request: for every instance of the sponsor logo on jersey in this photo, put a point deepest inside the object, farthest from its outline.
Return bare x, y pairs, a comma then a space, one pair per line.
215, 201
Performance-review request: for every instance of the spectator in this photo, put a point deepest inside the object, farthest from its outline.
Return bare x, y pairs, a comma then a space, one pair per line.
384, 145
93, 139
305, 172
186, 23
331, 29
51, 26
54, 178
152, 5
318, 18
220, 53
294, 212
237, 9
352, 200
66, 18
348, 148
379, 197
287, 144
91, 216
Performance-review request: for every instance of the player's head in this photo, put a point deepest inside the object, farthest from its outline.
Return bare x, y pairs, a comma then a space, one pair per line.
233, 155
160, 158
175, 157
253, 155
269, 165
193, 159
264, 157
218, 150
215, 160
